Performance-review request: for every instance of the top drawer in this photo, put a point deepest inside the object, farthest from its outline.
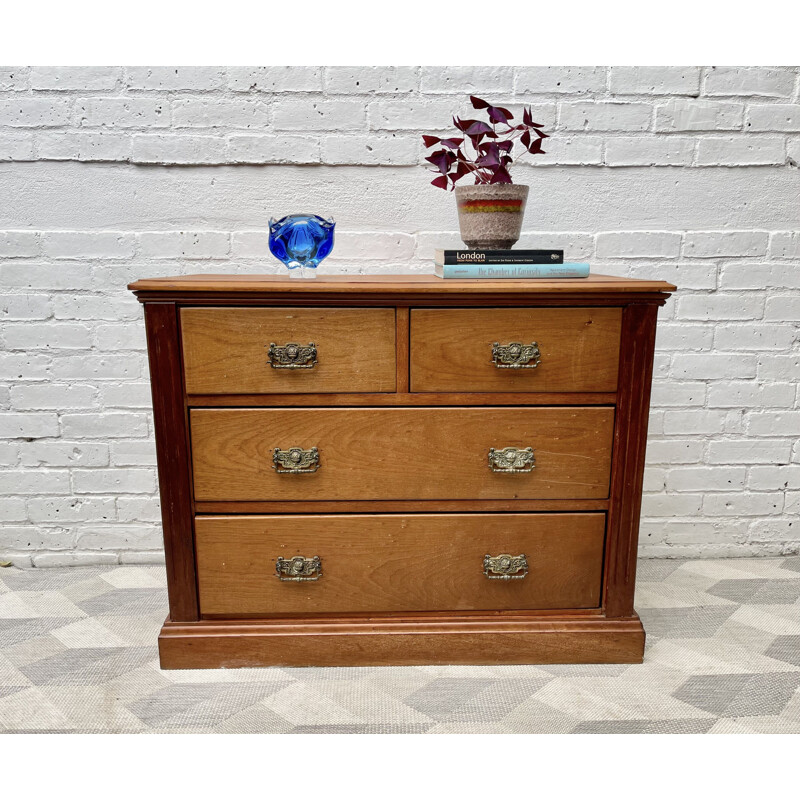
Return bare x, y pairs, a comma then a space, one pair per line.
452, 349
227, 350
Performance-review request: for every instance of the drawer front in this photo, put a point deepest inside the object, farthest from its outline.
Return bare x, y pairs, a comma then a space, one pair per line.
392, 563
452, 349
401, 453
227, 350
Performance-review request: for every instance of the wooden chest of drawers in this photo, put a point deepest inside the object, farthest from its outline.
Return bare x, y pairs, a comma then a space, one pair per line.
400, 469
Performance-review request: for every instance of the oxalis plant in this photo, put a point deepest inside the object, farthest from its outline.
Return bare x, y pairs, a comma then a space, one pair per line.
487, 157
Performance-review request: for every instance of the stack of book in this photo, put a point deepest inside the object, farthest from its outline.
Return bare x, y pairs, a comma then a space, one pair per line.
495, 264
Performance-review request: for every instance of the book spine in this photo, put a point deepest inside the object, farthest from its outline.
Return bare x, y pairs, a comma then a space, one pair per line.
460, 257
494, 272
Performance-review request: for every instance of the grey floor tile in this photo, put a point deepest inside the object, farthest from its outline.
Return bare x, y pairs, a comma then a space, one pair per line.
254, 719
37, 580
159, 708
777, 593
661, 726
695, 622
86, 666
442, 696
371, 728
585, 670
230, 700
740, 695
757, 591
311, 674
652, 569
41, 730
712, 693
612, 726
14, 631
30, 650
5, 691
740, 591
764, 695
125, 602
785, 648
497, 701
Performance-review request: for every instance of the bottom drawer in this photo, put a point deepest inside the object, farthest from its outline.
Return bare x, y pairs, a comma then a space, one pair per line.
397, 563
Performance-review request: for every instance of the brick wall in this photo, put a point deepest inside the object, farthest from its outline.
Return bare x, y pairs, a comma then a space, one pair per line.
108, 174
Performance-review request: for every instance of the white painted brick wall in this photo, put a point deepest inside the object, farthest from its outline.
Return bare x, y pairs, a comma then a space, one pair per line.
107, 174
749, 82
605, 116
698, 115
655, 80
83, 79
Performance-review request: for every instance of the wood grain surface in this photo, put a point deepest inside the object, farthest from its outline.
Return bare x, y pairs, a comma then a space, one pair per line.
395, 284
397, 563
442, 639
393, 506
630, 442
407, 399
171, 424
451, 349
225, 349
401, 453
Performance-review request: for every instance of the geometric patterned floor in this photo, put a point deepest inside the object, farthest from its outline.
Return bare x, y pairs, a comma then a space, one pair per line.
78, 655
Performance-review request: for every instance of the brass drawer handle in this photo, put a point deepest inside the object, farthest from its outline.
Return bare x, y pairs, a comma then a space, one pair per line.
505, 567
298, 568
511, 459
516, 355
295, 460
292, 355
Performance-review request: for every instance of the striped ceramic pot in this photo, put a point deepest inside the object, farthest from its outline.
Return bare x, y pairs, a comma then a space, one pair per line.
490, 216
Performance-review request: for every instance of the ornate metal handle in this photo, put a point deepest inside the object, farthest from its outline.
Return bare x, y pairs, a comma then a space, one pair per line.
511, 459
292, 355
505, 567
299, 568
295, 460
516, 355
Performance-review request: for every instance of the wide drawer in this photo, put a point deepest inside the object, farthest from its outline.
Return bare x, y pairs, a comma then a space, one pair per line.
393, 563
452, 349
227, 350
401, 453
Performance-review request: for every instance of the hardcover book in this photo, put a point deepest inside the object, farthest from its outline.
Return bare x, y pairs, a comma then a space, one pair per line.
503, 271
499, 256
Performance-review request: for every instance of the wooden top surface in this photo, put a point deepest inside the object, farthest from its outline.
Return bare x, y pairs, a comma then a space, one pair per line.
388, 284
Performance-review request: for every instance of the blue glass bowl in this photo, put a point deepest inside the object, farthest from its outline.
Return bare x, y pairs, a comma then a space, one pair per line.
301, 241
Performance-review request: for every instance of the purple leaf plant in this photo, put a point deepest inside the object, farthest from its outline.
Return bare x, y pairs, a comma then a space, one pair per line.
487, 157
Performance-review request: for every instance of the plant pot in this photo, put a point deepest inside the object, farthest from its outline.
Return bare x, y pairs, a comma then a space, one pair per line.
490, 216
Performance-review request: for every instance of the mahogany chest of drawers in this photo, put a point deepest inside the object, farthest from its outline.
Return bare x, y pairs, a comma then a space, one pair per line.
400, 469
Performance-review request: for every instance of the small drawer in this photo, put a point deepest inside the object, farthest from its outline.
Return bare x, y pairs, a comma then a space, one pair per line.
401, 453
473, 350
396, 563
244, 350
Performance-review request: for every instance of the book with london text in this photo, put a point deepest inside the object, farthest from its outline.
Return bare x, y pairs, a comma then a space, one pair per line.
511, 271
498, 257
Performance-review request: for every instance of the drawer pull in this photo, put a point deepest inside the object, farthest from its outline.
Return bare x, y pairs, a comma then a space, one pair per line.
516, 355
298, 568
505, 567
295, 460
511, 459
292, 355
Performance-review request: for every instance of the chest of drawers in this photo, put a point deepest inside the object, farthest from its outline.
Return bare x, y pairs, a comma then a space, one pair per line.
381, 470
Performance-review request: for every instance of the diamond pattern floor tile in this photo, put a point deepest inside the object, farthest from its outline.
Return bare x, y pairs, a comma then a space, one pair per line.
78, 655
785, 648
759, 591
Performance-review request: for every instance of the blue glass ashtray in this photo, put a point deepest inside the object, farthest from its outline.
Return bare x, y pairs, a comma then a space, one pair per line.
300, 242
